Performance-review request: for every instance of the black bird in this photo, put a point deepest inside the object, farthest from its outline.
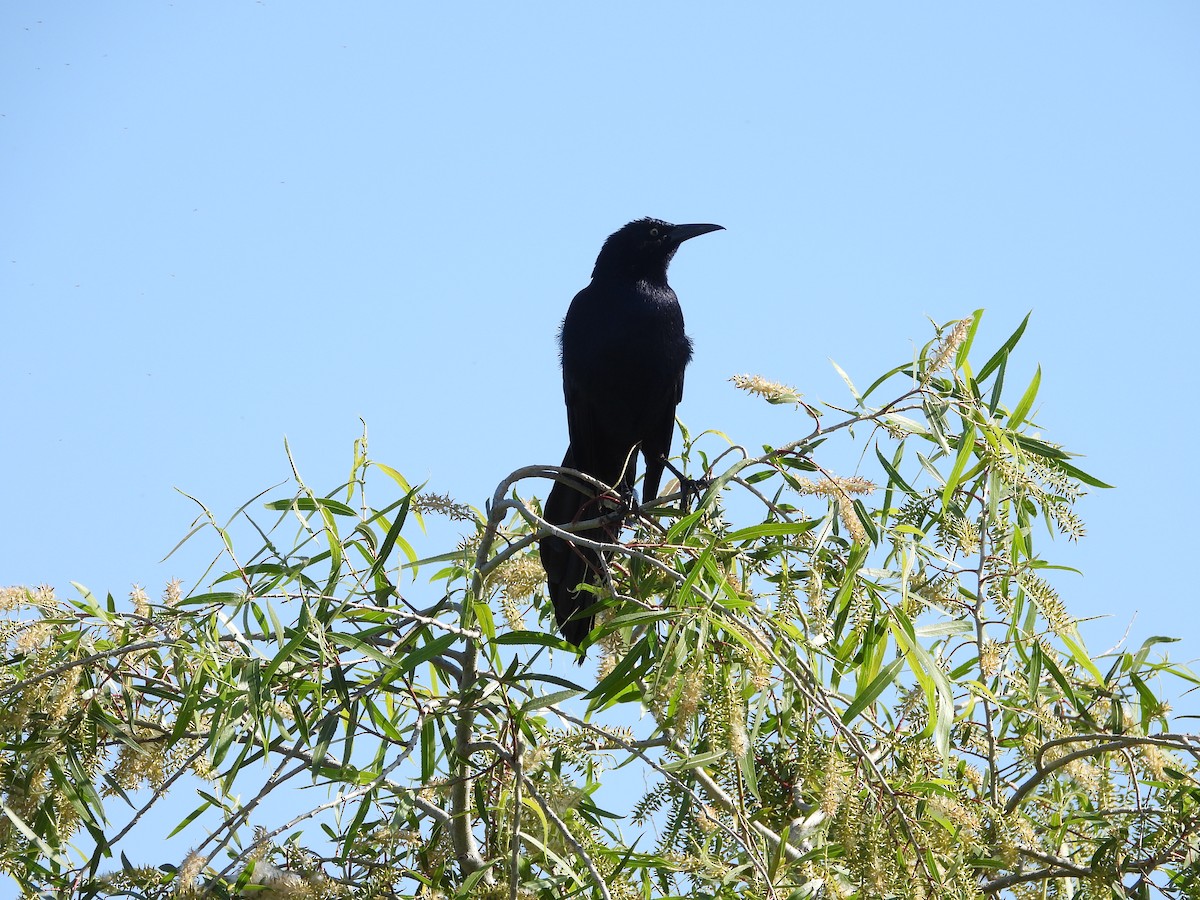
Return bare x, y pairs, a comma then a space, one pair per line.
623, 351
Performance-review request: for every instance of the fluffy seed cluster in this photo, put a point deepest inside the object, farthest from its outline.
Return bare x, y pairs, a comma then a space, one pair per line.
444, 505
835, 487
16, 596
173, 593
958, 533
945, 350
1048, 602
140, 601
691, 691
834, 786
518, 579
820, 628
991, 657
842, 491
771, 391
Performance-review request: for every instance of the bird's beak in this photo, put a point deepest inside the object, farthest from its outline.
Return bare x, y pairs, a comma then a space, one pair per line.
681, 233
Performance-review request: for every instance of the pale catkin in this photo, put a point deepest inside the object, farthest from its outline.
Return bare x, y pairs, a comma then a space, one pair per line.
771, 391
945, 350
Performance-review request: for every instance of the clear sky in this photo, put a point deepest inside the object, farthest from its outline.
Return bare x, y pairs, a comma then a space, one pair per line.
223, 223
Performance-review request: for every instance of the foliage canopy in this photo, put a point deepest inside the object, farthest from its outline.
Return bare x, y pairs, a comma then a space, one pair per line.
810, 684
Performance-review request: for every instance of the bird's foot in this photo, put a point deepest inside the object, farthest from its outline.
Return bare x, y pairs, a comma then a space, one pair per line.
622, 502
631, 504
692, 488
689, 487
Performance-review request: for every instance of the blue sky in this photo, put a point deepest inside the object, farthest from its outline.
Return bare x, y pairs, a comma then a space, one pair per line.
225, 223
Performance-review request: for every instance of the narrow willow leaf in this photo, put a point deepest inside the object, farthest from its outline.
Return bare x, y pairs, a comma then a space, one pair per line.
964, 348
944, 629
312, 504
966, 449
1039, 448
850, 384
483, 615
189, 818
624, 673
406, 662
389, 540
428, 750
1080, 475
1139, 658
1080, 656
871, 692
886, 376
350, 840
894, 476
32, 836
928, 465
770, 529
285, 652
325, 733
939, 698
1021, 410
997, 388
532, 639
548, 700
1000, 355
699, 761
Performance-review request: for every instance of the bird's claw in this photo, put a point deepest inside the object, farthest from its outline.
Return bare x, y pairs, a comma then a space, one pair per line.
632, 506
692, 488
688, 487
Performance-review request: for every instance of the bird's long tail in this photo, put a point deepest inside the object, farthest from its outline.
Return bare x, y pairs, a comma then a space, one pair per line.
568, 565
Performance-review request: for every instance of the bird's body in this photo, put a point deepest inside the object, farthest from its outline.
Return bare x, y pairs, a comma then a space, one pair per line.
624, 352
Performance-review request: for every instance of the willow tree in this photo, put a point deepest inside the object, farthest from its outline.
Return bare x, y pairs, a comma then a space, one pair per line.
812, 681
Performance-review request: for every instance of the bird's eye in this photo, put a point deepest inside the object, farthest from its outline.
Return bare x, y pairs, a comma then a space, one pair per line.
653, 232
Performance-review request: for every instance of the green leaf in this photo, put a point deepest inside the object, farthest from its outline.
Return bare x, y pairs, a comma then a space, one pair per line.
548, 700
468, 886
1051, 666
904, 423
1139, 658
850, 384
436, 647
189, 818
295, 642
894, 476
389, 540
312, 504
871, 692
965, 347
966, 448
1081, 657
699, 761
29, 833
1005, 348
1039, 448
533, 639
1080, 475
350, 842
885, 377
428, 749
771, 529
997, 388
939, 698
944, 629
624, 673
1017, 416
487, 623
90, 603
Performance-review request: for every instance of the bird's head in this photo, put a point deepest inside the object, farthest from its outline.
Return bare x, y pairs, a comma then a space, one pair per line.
643, 248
